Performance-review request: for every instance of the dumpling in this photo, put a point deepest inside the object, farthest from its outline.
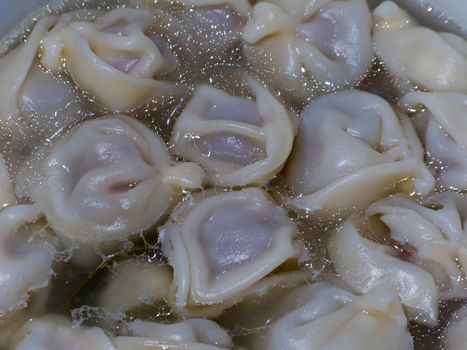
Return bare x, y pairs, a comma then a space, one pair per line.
37, 303
26, 257
204, 32
135, 283
448, 15
433, 236
109, 178
223, 245
309, 45
327, 317
351, 149
455, 334
440, 121
196, 334
365, 265
31, 99
265, 303
7, 194
237, 140
53, 332
242, 7
112, 58
427, 59
35, 105
14, 69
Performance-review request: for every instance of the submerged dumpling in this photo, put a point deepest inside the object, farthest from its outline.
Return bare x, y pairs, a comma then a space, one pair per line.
309, 45
202, 33
14, 69
196, 334
449, 15
37, 304
441, 121
351, 149
112, 58
365, 265
109, 178
242, 7
26, 257
7, 194
222, 245
414, 54
433, 236
135, 283
455, 334
54, 332
32, 100
238, 141
327, 317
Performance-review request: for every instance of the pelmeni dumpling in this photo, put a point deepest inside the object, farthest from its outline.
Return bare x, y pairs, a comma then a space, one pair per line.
7, 194
54, 332
25, 257
434, 236
242, 7
307, 45
35, 105
31, 99
448, 15
455, 334
414, 54
14, 69
196, 334
442, 126
135, 283
112, 58
365, 265
109, 178
221, 246
37, 304
238, 141
327, 317
203, 33
351, 149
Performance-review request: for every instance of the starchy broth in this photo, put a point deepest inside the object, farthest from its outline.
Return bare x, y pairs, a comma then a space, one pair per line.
83, 269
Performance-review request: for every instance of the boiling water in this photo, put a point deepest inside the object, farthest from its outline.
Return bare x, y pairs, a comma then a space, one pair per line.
74, 288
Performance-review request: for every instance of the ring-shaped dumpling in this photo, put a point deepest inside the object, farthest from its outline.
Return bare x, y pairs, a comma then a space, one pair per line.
414, 54
351, 149
112, 58
35, 104
304, 46
204, 33
237, 140
14, 69
223, 245
109, 178
365, 265
432, 236
25, 258
442, 127
447, 15
327, 317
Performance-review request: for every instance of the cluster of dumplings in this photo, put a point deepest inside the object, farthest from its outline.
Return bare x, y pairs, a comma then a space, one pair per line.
223, 136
